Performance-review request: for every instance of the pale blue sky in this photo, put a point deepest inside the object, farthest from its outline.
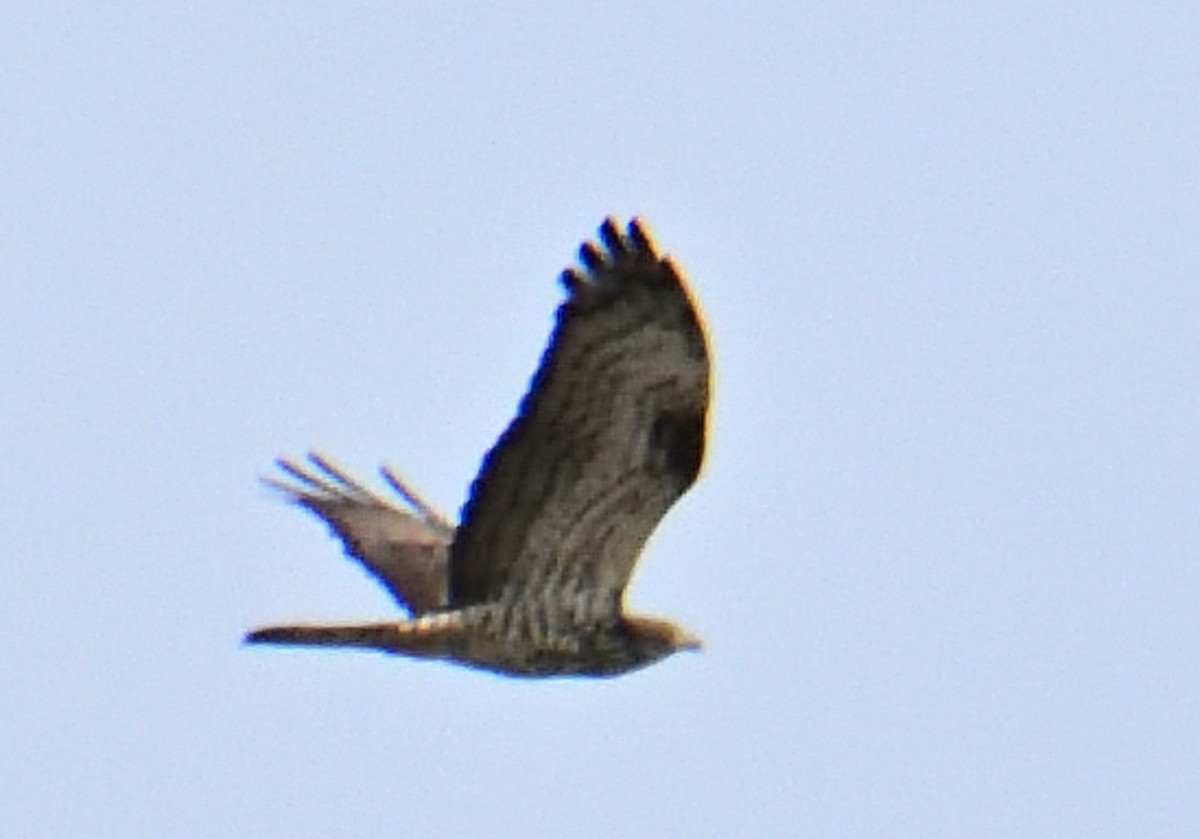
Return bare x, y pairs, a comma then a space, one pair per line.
946, 551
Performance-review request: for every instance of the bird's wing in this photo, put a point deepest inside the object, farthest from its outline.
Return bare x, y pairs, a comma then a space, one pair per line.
405, 549
609, 436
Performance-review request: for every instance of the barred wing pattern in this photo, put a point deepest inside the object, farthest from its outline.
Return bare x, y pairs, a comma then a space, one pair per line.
609, 436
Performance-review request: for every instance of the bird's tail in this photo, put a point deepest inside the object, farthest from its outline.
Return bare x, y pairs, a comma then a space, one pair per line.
421, 637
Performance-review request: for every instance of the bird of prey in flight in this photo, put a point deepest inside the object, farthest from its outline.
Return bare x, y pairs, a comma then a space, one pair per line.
609, 436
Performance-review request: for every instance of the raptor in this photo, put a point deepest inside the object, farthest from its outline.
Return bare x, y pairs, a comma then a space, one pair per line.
609, 436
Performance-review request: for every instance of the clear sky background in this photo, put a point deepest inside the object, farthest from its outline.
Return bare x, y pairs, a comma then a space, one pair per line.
946, 550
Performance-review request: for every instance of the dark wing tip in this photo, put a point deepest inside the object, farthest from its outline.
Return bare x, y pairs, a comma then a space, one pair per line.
612, 259
610, 235
572, 281
591, 257
640, 237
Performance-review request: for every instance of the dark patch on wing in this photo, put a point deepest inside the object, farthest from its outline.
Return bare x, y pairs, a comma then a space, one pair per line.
677, 437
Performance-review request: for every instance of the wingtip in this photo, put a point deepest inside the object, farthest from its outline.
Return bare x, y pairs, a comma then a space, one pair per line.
572, 281
640, 236
610, 235
591, 257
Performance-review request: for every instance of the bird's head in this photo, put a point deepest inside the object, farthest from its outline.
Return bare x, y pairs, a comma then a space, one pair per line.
654, 639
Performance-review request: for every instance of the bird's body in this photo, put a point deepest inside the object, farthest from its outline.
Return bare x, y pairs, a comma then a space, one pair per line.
513, 639
609, 436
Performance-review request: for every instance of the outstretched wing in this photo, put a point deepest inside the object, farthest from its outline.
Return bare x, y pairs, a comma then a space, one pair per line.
609, 436
405, 549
